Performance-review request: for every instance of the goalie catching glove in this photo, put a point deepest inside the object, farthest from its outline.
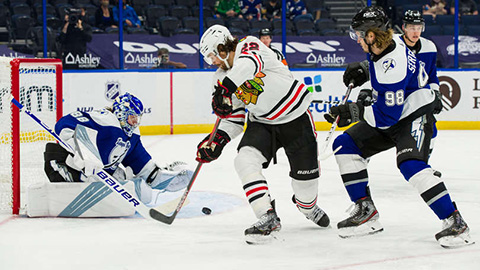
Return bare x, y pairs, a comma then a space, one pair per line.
348, 113
222, 100
205, 153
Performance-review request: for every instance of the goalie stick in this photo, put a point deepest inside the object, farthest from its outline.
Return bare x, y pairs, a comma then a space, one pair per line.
129, 199
329, 137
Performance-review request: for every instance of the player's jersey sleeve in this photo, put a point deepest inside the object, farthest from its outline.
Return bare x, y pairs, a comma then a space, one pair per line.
232, 124
137, 157
428, 57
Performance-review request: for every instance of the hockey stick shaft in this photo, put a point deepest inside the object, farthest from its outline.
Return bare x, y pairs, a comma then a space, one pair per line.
333, 102
169, 219
335, 123
106, 178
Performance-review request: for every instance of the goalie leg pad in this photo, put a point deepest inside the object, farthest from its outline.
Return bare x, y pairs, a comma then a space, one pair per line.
248, 164
169, 180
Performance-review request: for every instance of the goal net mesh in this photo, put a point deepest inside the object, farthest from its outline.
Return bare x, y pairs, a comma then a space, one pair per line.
38, 93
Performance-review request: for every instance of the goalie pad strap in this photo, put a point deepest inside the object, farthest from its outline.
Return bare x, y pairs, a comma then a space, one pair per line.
152, 175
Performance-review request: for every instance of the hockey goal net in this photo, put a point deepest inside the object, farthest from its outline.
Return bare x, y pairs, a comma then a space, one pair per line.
37, 84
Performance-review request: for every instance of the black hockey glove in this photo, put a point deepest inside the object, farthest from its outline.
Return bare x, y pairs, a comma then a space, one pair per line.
206, 154
222, 101
438, 102
356, 73
365, 97
349, 113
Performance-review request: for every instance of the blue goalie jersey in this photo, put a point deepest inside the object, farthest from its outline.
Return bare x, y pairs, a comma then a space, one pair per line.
399, 85
114, 146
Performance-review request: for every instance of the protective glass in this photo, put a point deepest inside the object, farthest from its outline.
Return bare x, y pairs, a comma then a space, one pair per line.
414, 27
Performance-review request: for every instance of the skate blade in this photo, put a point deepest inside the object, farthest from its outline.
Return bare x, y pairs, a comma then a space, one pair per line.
256, 239
462, 240
371, 227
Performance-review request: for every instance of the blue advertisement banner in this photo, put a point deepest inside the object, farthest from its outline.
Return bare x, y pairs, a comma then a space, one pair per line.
468, 49
140, 51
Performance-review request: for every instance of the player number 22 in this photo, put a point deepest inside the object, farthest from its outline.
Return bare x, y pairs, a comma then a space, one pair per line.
250, 46
394, 98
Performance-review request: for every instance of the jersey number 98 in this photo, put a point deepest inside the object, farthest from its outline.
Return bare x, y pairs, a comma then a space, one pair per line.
79, 116
394, 98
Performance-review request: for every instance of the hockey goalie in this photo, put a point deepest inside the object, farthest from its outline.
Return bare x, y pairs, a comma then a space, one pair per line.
110, 138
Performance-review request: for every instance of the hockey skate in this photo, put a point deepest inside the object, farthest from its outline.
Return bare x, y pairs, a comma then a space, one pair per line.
363, 220
264, 230
319, 217
455, 232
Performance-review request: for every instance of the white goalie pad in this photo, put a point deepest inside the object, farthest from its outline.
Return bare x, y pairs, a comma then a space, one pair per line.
76, 200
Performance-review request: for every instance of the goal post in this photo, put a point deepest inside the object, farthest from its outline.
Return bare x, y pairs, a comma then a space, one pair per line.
37, 84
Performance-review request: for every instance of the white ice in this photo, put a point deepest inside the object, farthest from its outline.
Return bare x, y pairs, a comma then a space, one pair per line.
197, 241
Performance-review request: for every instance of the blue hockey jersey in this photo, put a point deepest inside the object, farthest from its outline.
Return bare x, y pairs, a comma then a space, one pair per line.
114, 146
399, 84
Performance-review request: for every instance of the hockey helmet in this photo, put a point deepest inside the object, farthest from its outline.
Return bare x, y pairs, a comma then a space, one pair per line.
214, 36
368, 18
413, 17
265, 32
129, 111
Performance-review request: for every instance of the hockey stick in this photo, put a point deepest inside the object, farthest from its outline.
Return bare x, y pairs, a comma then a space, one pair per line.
112, 183
333, 102
169, 219
323, 155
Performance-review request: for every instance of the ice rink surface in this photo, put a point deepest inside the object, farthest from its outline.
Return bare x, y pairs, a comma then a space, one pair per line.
196, 241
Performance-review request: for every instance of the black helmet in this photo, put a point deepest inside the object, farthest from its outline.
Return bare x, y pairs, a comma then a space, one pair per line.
265, 32
370, 17
413, 17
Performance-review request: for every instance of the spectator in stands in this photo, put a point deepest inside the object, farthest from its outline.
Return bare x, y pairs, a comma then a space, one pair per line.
227, 9
164, 61
273, 10
104, 16
265, 37
251, 9
435, 7
295, 8
465, 7
130, 17
74, 37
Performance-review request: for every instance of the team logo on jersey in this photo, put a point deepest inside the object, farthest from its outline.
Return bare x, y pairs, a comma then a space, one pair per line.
249, 91
112, 90
118, 153
388, 64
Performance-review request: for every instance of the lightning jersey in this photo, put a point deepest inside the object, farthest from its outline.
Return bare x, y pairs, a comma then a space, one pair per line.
114, 146
426, 53
399, 83
264, 86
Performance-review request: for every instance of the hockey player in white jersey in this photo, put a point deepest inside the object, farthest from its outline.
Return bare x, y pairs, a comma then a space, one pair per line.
249, 76
117, 139
401, 117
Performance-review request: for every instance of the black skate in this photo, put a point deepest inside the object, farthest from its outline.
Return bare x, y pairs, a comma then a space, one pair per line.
363, 220
455, 232
319, 217
264, 230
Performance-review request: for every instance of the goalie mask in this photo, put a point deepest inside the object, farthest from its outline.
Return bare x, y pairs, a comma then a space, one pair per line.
129, 110
214, 36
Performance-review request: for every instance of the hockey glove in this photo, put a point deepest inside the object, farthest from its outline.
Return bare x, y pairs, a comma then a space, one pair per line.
365, 97
356, 73
206, 154
438, 102
222, 101
349, 113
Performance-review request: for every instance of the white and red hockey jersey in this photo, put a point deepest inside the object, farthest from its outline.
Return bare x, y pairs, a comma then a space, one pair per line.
265, 87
